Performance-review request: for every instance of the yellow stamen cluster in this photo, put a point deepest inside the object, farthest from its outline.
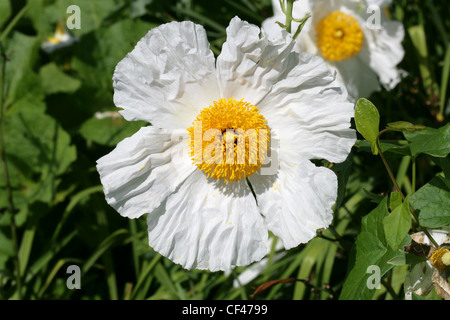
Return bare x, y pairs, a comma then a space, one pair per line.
229, 140
339, 36
441, 259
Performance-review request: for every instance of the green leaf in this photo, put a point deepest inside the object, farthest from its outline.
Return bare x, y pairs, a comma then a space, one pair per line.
432, 201
45, 16
419, 40
444, 163
38, 150
21, 51
406, 258
404, 126
5, 11
108, 46
372, 249
367, 121
109, 131
55, 81
397, 147
435, 142
397, 224
395, 200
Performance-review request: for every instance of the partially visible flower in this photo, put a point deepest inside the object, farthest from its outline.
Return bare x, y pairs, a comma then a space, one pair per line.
355, 37
432, 272
61, 39
215, 215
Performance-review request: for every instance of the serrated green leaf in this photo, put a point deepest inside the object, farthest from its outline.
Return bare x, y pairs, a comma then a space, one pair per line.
367, 121
432, 201
435, 142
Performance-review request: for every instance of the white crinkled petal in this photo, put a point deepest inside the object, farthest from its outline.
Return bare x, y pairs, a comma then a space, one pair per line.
359, 78
314, 119
386, 52
143, 170
296, 201
208, 224
249, 64
168, 77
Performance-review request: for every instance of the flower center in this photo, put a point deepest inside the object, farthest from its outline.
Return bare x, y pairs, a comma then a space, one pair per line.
229, 140
339, 36
441, 259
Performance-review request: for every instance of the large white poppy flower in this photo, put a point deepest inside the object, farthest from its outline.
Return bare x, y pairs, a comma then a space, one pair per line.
355, 38
216, 216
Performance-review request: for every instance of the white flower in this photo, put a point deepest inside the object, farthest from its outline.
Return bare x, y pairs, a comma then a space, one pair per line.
171, 79
61, 39
355, 38
424, 275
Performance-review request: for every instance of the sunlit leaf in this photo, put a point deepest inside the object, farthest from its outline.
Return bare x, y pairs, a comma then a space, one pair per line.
372, 250
435, 142
367, 121
55, 81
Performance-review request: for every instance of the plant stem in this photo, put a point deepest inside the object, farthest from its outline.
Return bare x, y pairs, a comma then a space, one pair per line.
289, 7
13, 22
413, 174
12, 208
411, 209
386, 164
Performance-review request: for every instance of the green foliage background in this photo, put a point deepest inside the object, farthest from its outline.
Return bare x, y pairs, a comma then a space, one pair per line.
52, 140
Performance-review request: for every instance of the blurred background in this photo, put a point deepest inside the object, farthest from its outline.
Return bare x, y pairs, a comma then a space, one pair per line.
59, 118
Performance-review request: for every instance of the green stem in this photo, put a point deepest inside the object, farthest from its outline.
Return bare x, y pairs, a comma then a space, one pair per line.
394, 181
289, 7
14, 22
12, 208
413, 174
302, 24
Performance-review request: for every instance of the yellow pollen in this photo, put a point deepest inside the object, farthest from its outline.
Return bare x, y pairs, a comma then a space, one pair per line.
229, 140
339, 36
441, 259
53, 40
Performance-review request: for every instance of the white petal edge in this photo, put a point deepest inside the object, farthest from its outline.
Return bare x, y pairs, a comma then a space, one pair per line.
208, 224
143, 170
168, 77
296, 201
